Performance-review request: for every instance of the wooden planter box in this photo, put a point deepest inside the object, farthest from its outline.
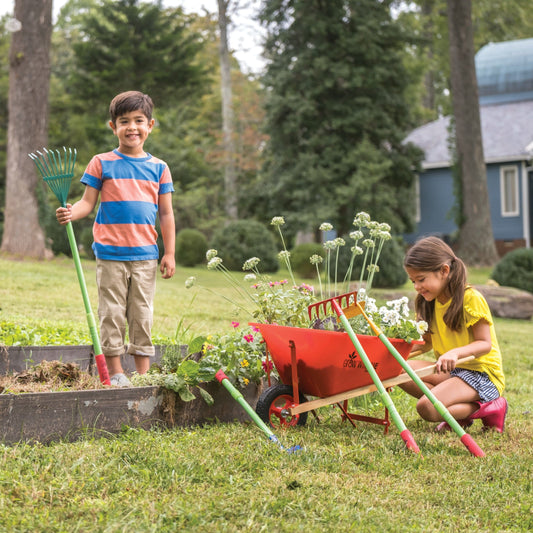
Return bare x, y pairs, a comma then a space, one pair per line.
51, 416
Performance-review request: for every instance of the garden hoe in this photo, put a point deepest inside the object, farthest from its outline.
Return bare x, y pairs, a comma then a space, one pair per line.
335, 304
57, 172
236, 395
357, 308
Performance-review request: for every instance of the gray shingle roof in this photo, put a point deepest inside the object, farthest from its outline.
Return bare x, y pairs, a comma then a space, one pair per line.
507, 131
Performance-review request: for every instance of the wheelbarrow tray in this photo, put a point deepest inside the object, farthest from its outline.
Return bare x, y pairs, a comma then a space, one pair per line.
327, 361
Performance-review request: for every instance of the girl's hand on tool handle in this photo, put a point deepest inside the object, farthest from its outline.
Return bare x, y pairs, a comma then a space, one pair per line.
64, 214
446, 362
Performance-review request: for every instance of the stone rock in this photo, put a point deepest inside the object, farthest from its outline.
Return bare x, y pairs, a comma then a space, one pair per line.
507, 302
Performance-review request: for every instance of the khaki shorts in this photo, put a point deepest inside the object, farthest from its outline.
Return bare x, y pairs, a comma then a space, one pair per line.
126, 292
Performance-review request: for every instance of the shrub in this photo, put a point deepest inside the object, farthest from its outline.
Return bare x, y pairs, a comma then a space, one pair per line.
391, 272
243, 239
515, 269
300, 258
191, 246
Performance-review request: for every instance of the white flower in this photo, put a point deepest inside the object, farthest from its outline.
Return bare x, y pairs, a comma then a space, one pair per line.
329, 245
251, 263
277, 221
356, 250
250, 277
189, 282
369, 243
361, 219
210, 254
325, 226
356, 235
315, 259
339, 241
421, 327
284, 254
373, 268
214, 263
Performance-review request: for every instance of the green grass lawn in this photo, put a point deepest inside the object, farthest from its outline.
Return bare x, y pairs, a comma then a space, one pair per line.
229, 477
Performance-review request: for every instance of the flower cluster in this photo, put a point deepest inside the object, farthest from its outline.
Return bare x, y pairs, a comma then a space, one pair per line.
240, 353
392, 318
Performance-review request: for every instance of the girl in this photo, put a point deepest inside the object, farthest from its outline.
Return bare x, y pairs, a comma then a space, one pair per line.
460, 324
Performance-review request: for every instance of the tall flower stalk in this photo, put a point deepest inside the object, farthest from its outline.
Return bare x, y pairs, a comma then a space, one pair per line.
284, 255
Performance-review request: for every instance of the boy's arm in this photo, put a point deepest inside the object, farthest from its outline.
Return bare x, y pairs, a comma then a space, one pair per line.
80, 209
168, 233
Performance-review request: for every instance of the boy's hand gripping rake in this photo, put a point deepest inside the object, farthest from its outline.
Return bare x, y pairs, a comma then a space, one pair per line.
356, 308
335, 304
236, 395
57, 172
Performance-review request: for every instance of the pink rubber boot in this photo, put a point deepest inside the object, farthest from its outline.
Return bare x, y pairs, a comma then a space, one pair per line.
492, 413
444, 426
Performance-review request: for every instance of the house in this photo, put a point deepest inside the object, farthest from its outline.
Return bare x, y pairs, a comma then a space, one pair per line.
505, 80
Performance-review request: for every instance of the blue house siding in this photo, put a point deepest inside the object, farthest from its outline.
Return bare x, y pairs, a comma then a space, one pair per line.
504, 228
436, 197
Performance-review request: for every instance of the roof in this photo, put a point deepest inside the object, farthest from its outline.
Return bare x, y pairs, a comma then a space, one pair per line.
507, 131
505, 71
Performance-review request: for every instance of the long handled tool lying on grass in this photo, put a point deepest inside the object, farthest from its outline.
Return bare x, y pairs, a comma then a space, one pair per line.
356, 308
335, 304
236, 395
57, 172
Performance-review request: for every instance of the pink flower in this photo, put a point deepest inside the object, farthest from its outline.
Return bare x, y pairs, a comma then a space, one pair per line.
235, 324
267, 365
256, 330
249, 338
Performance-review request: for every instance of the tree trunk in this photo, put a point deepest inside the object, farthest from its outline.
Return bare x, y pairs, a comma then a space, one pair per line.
29, 76
230, 175
476, 241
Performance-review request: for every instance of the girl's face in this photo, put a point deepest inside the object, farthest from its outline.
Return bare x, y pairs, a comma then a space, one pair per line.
431, 285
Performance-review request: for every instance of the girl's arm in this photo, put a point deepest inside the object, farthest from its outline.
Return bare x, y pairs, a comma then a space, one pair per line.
168, 233
80, 209
481, 345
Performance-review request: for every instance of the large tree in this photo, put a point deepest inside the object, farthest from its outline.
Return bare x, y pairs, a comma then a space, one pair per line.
336, 114
29, 74
476, 241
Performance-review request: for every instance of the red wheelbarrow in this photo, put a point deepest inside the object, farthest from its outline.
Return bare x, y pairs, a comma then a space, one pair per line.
325, 365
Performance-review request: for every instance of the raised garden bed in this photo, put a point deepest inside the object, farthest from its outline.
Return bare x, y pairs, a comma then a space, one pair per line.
70, 415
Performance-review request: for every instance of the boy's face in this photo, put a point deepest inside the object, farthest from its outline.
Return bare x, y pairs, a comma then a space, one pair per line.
132, 129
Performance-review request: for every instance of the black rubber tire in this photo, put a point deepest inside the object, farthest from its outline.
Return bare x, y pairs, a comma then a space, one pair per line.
273, 400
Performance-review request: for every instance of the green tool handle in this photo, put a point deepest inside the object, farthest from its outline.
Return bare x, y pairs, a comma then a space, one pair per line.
439, 406
385, 397
103, 372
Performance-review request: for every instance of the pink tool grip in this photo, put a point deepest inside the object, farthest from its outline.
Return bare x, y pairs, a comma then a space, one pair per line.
409, 441
471, 445
101, 365
220, 375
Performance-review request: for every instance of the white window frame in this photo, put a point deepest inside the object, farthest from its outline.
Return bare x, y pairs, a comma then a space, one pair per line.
503, 191
418, 214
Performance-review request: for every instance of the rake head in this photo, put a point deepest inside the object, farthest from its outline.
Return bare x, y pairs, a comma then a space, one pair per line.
57, 170
325, 306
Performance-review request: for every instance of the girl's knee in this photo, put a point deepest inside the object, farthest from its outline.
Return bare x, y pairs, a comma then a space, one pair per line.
426, 410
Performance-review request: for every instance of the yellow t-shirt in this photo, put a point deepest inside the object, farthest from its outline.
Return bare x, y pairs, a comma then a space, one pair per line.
443, 339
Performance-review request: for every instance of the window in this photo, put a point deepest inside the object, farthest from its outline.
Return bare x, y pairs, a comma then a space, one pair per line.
509, 191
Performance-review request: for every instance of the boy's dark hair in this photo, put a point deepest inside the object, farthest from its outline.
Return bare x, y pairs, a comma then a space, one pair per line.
429, 255
130, 101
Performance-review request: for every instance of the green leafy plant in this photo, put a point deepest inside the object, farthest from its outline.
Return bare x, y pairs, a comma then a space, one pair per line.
191, 246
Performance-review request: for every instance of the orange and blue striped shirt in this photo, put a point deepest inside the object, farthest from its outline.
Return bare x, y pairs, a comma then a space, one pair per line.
124, 229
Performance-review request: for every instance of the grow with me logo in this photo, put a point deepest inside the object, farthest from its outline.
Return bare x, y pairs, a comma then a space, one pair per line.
352, 361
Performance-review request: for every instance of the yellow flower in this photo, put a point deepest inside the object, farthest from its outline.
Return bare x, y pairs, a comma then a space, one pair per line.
245, 381
245, 363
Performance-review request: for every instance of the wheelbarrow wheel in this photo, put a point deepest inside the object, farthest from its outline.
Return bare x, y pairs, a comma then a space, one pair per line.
272, 407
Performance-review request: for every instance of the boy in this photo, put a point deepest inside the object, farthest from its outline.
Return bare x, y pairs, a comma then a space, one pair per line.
134, 186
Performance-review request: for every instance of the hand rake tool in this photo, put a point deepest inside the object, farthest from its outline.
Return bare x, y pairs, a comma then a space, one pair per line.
335, 304
57, 172
236, 395
357, 308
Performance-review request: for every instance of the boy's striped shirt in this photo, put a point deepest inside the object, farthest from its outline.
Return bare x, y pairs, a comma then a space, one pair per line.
124, 229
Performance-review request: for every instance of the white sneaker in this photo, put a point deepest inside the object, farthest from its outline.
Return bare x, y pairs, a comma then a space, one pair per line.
120, 380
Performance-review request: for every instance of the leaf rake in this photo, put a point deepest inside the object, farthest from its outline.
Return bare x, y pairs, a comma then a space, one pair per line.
57, 171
